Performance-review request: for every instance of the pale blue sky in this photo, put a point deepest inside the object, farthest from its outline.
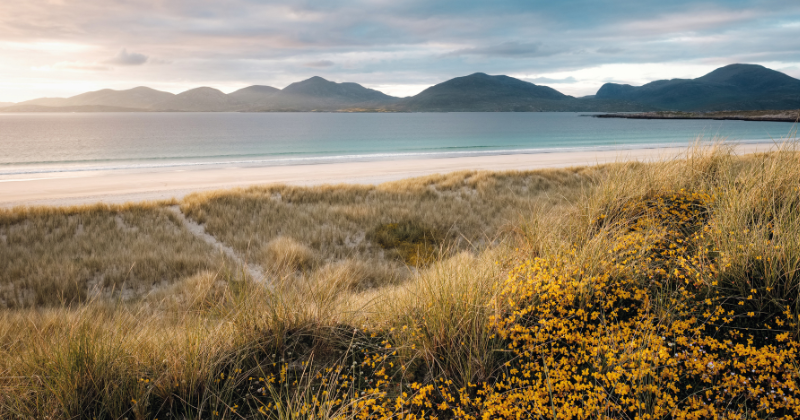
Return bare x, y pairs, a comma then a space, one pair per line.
62, 47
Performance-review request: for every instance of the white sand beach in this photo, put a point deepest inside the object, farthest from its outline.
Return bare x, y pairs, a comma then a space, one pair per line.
122, 186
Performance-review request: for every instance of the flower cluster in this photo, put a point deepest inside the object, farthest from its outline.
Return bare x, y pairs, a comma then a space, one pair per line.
644, 332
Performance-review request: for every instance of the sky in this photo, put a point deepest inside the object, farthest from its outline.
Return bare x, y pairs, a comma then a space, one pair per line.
60, 48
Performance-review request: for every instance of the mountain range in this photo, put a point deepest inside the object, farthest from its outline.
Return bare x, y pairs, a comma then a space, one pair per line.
733, 87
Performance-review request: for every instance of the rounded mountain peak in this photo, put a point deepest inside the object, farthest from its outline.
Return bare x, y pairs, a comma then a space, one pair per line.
748, 76
203, 90
482, 84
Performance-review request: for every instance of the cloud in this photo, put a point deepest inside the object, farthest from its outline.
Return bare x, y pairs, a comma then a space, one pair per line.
610, 50
73, 66
548, 80
507, 49
128, 59
405, 45
319, 64
793, 71
709, 18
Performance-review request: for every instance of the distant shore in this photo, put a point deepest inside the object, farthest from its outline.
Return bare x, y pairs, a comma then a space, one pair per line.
776, 116
143, 185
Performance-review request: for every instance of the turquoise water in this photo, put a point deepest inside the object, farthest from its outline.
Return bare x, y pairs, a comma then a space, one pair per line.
39, 143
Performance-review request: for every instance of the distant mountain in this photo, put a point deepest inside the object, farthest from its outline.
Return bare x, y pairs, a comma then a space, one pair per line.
5, 104
733, 87
481, 92
138, 98
739, 87
254, 95
318, 94
485, 93
45, 102
314, 94
203, 99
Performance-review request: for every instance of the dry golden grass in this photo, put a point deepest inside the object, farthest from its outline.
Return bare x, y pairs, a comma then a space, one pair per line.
54, 256
188, 348
467, 210
284, 254
61, 256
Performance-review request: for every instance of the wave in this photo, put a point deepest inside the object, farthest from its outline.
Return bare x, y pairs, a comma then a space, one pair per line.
312, 160
318, 153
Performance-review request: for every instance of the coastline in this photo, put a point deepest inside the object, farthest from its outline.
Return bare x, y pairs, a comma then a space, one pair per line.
116, 187
789, 116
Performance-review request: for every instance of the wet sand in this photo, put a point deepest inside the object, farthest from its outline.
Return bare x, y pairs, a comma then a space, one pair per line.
122, 186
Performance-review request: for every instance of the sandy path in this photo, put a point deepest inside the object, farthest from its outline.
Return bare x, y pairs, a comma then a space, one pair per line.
199, 231
126, 185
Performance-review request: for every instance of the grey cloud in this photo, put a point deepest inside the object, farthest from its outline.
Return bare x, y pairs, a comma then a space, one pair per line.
507, 49
569, 79
610, 50
319, 64
124, 58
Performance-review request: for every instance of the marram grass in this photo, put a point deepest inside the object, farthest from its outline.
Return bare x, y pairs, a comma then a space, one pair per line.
663, 290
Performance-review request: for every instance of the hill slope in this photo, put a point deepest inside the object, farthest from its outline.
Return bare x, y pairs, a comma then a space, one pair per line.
733, 87
202, 99
138, 97
480, 92
318, 94
254, 95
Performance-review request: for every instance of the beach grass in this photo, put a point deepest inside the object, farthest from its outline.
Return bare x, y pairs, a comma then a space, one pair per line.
60, 256
633, 290
385, 225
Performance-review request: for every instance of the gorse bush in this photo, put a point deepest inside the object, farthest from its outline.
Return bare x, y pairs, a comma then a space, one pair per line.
646, 332
668, 290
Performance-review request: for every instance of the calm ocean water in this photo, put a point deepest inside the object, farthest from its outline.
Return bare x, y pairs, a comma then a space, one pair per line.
42, 143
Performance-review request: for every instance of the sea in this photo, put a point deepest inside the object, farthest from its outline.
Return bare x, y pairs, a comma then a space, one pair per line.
39, 143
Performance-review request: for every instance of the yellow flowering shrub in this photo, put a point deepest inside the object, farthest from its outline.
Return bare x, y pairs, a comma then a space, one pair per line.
646, 336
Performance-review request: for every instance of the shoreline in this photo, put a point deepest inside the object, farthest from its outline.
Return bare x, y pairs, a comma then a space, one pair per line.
767, 116
122, 186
